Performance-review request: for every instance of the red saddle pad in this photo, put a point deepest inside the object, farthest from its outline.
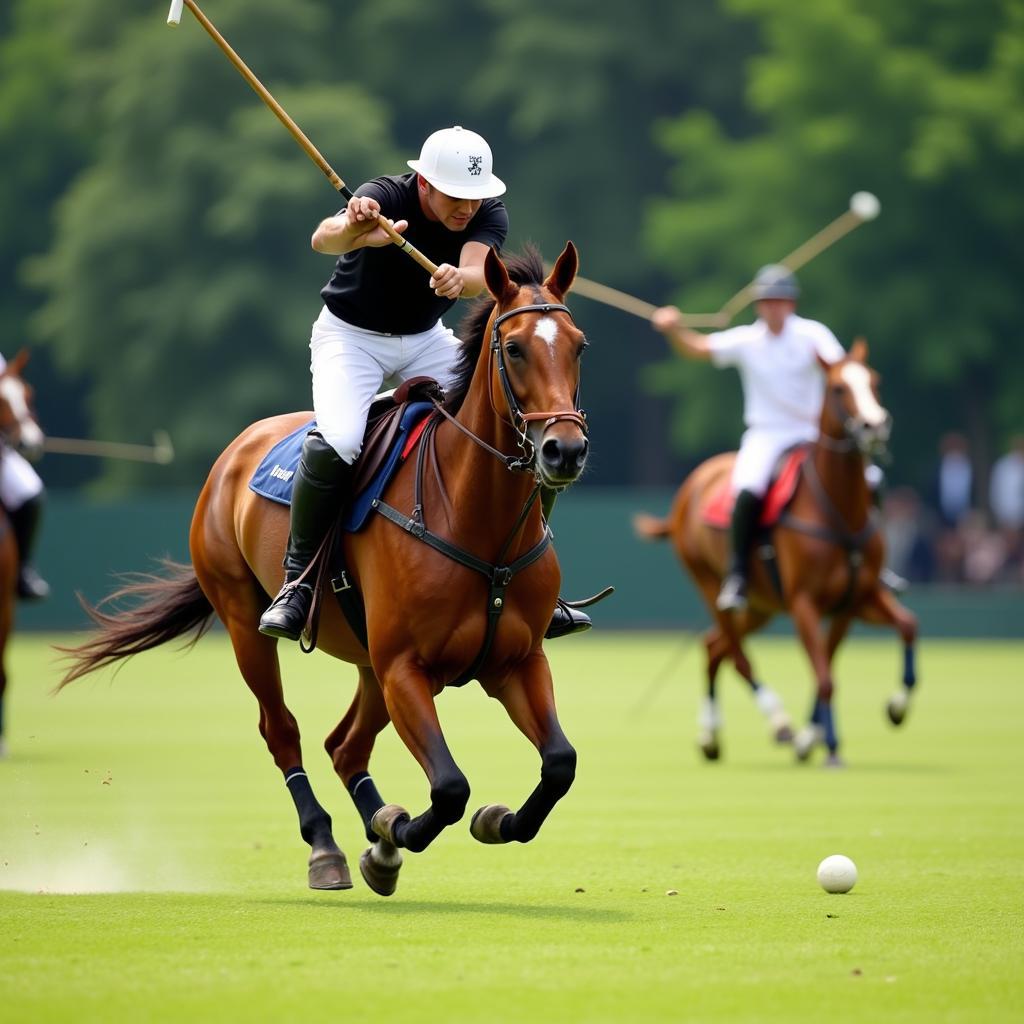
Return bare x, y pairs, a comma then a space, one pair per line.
718, 511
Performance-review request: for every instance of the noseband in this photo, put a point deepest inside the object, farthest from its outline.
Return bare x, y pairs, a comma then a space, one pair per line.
520, 420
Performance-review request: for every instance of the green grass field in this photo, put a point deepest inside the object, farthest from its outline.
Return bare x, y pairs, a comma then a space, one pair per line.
151, 868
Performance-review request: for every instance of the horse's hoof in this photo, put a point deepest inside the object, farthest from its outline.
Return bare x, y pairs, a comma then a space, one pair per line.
486, 824
328, 869
805, 741
896, 708
709, 746
783, 734
386, 820
834, 761
379, 865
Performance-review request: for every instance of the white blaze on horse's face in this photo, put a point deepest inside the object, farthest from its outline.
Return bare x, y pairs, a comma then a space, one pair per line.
858, 379
547, 330
28, 434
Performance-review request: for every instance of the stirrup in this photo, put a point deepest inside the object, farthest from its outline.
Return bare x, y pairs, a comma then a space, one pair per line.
283, 621
568, 619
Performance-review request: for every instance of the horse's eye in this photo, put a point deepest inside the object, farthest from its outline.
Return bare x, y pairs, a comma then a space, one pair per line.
584, 345
513, 350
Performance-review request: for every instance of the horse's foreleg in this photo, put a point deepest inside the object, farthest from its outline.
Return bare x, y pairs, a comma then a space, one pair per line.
821, 727
349, 747
882, 608
257, 660
410, 703
529, 700
709, 716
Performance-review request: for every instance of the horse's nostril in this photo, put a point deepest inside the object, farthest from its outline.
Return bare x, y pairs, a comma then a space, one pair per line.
581, 455
551, 451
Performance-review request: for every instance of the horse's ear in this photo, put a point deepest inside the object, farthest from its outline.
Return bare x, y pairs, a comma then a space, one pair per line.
563, 273
859, 350
17, 364
499, 284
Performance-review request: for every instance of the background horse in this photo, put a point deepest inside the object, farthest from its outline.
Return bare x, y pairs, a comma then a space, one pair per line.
18, 429
828, 557
512, 426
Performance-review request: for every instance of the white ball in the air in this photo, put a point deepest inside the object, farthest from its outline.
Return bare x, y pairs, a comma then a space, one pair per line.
837, 873
865, 205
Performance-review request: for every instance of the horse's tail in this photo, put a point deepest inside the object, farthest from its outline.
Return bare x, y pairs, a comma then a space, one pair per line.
161, 608
648, 527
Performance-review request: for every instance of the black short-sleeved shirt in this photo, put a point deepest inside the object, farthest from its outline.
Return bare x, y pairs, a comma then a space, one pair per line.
382, 289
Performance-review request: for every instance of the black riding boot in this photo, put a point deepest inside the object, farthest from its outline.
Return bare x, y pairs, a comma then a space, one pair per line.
321, 485
566, 619
25, 524
745, 514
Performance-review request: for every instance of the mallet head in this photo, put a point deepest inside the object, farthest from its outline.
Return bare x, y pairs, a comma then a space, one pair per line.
865, 205
174, 14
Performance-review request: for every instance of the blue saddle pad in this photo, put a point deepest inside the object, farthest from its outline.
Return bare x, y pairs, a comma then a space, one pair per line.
274, 476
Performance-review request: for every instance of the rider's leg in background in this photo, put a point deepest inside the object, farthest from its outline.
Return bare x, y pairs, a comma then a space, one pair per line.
22, 495
566, 620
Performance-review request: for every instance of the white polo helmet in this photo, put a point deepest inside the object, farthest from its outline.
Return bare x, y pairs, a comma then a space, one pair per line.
458, 163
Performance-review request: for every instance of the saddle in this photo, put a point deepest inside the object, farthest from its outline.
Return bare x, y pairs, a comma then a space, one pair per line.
395, 423
392, 419
718, 511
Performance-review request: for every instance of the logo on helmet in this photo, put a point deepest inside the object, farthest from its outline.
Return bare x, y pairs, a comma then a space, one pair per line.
476, 165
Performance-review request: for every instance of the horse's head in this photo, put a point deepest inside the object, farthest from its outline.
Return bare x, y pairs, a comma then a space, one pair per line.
535, 351
852, 409
18, 426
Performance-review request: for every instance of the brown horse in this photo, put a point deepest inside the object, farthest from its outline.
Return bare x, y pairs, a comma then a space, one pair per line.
828, 554
18, 430
428, 605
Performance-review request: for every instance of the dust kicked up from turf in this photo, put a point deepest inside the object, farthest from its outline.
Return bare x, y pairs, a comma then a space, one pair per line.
78, 869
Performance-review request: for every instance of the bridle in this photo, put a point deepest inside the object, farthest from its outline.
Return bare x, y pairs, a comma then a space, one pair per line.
519, 421
857, 438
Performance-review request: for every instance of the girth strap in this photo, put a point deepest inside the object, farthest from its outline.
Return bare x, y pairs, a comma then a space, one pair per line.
499, 576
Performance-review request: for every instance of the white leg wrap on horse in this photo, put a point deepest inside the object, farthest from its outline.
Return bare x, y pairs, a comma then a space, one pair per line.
709, 716
768, 701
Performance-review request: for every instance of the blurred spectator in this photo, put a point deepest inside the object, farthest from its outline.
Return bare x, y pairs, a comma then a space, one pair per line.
984, 550
907, 544
955, 480
1006, 499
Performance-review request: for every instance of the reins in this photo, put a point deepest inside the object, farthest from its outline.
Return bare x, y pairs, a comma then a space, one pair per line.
499, 575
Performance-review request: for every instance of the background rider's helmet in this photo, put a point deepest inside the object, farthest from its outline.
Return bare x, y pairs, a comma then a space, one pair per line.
458, 163
776, 282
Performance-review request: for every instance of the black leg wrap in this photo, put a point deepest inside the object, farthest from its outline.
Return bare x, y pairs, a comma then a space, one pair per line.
367, 800
448, 801
558, 770
314, 821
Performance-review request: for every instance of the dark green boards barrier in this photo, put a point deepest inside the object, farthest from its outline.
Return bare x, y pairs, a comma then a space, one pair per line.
86, 542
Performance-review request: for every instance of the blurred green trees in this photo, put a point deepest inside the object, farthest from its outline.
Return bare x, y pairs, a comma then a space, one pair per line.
156, 216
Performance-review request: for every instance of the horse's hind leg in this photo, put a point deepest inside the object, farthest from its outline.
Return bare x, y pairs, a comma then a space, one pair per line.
529, 700
349, 747
821, 727
883, 609
257, 660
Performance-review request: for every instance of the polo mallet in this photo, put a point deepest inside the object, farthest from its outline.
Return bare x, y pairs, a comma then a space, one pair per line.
174, 18
160, 452
864, 206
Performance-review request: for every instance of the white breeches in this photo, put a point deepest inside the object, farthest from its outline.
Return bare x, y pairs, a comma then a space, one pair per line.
759, 452
349, 364
19, 482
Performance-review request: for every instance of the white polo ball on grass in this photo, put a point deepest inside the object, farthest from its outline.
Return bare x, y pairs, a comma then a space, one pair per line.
837, 873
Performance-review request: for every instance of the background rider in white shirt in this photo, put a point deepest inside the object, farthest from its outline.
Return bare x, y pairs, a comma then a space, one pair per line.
783, 390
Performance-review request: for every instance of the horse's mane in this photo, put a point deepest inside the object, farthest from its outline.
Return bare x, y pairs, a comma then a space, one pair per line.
524, 268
